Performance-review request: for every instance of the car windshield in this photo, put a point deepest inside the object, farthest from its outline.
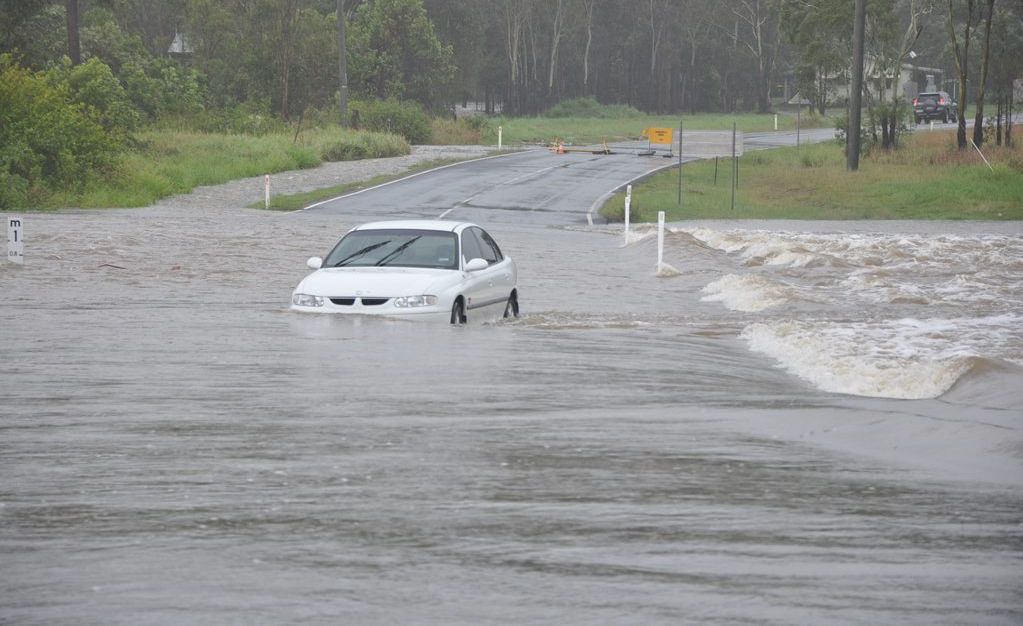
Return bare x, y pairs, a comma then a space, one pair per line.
395, 248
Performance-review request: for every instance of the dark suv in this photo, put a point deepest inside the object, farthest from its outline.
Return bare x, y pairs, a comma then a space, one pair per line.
934, 105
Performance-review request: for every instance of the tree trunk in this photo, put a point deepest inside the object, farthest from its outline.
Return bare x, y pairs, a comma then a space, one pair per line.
342, 63
74, 47
962, 56
588, 5
998, 120
978, 122
559, 19
852, 162
1008, 115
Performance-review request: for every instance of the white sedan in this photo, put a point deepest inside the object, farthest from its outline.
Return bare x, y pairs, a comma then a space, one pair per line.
416, 269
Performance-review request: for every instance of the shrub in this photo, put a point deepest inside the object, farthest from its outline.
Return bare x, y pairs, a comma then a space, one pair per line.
46, 137
589, 107
390, 116
464, 131
352, 145
94, 85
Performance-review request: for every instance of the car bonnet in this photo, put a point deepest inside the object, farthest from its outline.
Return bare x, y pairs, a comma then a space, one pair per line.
372, 281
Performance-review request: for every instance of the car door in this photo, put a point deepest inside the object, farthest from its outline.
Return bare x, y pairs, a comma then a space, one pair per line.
476, 285
499, 279
502, 277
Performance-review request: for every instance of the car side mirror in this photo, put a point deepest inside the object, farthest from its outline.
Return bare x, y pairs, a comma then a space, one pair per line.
314, 263
476, 265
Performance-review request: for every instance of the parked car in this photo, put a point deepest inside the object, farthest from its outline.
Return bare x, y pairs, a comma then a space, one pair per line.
934, 105
416, 269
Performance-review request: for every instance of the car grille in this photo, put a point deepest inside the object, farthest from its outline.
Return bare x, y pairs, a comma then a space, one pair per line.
365, 301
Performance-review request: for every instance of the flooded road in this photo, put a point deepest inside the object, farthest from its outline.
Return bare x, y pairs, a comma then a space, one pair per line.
808, 423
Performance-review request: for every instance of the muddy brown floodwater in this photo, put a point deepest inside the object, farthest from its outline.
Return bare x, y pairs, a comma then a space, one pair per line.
799, 424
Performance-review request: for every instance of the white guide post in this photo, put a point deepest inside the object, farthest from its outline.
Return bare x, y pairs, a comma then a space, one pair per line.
500, 133
776, 121
660, 239
266, 192
15, 241
628, 209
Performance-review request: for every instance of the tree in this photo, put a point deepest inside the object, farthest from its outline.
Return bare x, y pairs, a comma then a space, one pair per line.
760, 21
342, 62
978, 123
822, 39
962, 57
394, 53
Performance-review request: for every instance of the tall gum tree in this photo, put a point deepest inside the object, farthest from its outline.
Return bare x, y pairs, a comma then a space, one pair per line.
962, 58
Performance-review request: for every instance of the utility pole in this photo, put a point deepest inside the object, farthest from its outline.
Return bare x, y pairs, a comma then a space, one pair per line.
852, 156
342, 62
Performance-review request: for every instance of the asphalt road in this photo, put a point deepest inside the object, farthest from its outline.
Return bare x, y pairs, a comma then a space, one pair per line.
533, 187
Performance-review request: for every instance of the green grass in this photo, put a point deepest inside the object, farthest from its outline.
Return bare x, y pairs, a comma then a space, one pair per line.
927, 179
580, 130
165, 162
296, 201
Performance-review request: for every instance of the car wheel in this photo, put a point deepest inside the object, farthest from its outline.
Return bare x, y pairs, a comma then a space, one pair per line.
917, 120
511, 309
458, 312
944, 118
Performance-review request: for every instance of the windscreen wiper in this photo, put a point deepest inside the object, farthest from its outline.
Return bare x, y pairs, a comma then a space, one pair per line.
393, 254
361, 252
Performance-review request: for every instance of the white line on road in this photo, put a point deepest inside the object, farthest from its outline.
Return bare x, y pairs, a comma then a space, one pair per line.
391, 182
507, 182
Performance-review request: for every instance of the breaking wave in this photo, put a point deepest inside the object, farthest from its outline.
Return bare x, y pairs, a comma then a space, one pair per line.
906, 359
749, 293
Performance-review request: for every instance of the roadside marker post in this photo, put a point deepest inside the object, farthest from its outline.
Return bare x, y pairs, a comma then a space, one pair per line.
734, 161
266, 192
628, 208
680, 163
500, 133
776, 121
15, 241
660, 240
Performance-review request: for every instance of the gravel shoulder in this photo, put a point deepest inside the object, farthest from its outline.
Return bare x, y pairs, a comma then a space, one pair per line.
238, 194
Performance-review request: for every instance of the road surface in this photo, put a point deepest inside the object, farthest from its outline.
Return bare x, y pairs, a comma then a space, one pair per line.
533, 187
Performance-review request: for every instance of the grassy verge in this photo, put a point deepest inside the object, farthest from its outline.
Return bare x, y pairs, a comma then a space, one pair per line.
928, 178
165, 163
594, 130
296, 201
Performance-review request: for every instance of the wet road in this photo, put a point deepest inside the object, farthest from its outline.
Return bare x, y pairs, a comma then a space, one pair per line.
177, 447
537, 187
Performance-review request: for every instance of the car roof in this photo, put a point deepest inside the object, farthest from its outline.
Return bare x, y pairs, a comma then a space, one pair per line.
439, 225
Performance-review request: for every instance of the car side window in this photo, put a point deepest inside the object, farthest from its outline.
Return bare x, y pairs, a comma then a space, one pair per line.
490, 250
470, 246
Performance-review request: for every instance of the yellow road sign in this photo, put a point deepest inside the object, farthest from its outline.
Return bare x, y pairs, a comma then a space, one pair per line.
659, 135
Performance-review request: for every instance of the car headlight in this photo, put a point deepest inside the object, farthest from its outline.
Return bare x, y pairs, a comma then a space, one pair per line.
304, 299
414, 301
